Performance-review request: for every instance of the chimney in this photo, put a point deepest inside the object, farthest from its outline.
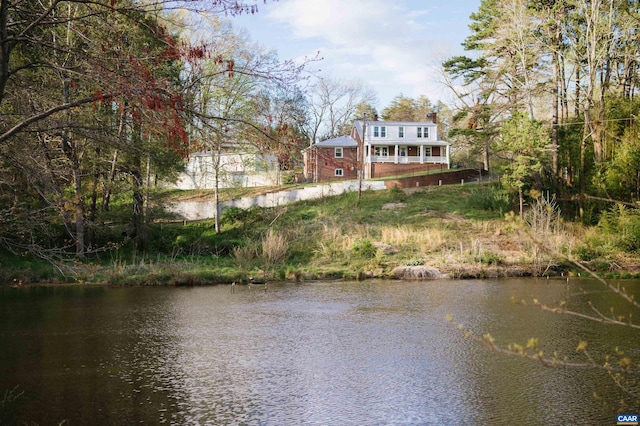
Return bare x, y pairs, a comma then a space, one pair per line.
433, 117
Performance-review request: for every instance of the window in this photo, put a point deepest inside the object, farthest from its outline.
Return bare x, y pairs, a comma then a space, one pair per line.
379, 132
401, 132
381, 151
423, 132
339, 172
427, 151
338, 152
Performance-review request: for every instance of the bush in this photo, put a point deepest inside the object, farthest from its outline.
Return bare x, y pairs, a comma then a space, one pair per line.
236, 215
364, 248
245, 256
621, 226
397, 194
274, 248
490, 198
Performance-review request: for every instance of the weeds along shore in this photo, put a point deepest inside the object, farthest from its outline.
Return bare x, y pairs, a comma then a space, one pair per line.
461, 231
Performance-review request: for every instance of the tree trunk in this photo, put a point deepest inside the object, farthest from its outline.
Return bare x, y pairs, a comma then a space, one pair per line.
216, 192
109, 182
5, 46
485, 155
138, 196
71, 152
79, 210
521, 199
556, 111
360, 155
94, 190
578, 78
147, 185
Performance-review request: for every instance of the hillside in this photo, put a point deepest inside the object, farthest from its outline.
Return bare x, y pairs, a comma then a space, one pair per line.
460, 231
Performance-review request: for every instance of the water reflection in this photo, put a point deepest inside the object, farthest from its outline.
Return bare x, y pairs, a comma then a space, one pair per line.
375, 352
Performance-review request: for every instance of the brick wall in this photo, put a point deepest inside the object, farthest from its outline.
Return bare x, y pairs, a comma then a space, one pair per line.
451, 177
379, 170
327, 164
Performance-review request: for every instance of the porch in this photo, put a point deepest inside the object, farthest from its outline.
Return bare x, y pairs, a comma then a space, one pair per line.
408, 159
407, 154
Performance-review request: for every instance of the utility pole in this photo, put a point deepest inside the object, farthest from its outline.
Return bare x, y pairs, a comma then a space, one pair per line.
361, 156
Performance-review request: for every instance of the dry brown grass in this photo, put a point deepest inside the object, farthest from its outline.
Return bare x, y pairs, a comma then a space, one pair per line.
274, 246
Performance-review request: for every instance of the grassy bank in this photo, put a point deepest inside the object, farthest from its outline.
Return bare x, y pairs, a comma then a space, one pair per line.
460, 230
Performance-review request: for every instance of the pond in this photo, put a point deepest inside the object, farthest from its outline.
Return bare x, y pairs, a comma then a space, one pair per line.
315, 353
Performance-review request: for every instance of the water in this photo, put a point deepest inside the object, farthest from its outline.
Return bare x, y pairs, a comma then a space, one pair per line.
322, 353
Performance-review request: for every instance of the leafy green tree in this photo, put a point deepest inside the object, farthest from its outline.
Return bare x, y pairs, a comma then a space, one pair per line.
525, 143
403, 108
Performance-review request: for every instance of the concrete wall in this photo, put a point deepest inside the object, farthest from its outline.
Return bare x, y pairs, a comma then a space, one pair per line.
198, 210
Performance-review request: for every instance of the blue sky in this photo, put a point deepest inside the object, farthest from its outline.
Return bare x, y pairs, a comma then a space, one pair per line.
393, 46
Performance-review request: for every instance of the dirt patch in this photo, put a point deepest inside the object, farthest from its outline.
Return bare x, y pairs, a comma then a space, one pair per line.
445, 215
393, 206
386, 248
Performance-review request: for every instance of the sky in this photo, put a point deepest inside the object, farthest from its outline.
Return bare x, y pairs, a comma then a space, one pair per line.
393, 46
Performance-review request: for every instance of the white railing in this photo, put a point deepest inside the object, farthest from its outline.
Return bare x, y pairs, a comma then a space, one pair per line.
406, 159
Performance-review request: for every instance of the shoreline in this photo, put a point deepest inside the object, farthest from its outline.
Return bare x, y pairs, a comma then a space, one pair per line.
209, 277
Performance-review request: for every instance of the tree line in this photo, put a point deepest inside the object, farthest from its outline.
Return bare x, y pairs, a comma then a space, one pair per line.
98, 99
101, 99
547, 95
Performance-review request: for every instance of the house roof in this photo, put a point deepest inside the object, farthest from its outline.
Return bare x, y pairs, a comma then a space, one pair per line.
340, 141
358, 126
358, 123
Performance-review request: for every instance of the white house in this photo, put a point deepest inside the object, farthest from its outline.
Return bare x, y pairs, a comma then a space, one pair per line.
388, 148
236, 169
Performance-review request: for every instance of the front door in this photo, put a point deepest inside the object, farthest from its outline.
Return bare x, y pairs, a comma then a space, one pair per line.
402, 151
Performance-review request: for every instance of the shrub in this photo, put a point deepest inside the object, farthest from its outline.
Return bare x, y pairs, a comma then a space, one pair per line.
274, 248
245, 255
621, 226
490, 198
236, 215
397, 194
543, 217
364, 248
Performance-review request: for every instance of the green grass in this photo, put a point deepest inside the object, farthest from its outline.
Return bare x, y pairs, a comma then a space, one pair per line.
332, 237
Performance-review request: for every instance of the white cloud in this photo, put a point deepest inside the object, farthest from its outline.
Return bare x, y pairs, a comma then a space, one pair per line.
386, 44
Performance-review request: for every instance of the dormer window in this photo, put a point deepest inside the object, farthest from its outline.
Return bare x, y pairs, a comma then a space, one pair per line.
423, 132
379, 132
